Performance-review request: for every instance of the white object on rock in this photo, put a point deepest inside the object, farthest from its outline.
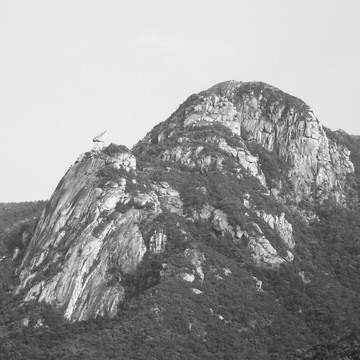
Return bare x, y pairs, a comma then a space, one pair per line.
99, 141
187, 277
258, 284
196, 291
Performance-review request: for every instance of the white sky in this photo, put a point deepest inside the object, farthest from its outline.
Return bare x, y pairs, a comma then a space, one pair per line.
72, 69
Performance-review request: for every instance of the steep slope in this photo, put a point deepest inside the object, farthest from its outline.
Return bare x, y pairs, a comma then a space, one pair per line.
80, 238
218, 233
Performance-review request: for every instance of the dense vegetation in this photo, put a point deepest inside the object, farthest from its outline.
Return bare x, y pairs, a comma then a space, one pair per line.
162, 319
12, 214
344, 347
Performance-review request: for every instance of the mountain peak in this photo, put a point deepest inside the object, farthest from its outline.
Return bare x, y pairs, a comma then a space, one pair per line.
280, 123
224, 194
233, 222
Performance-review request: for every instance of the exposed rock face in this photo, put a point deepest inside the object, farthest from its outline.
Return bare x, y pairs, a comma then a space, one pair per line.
258, 284
245, 159
287, 126
263, 252
79, 238
214, 108
204, 213
303, 277
158, 241
280, 123
281, 225
187, 277
192, 157
124, 161
169, 197
196, 258
16, 253
220, 222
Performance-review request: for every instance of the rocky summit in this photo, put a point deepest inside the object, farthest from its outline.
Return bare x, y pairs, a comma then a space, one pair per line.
230, 231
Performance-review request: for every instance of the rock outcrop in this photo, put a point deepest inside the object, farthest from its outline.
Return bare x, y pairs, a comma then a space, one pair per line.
81, 237
287, 126
264, 253
281, 226
158, 241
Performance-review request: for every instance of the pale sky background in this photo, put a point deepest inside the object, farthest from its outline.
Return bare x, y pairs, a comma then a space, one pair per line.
72, 69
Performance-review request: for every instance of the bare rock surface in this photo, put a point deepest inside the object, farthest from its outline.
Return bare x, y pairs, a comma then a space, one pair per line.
282, 124
79, 238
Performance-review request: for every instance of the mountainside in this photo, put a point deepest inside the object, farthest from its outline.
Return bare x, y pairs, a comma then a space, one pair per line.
230, 231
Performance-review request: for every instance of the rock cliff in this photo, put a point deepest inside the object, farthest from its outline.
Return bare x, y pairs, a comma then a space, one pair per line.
227, 170
80, 238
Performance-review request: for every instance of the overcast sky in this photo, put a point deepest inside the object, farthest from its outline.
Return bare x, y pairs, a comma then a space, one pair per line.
72, 69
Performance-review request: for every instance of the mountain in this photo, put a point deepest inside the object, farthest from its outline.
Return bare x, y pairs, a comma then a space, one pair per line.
230, 231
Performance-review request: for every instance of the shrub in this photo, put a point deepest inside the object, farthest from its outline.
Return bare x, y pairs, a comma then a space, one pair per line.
113, 149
